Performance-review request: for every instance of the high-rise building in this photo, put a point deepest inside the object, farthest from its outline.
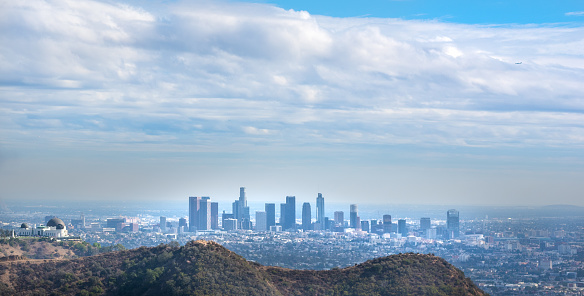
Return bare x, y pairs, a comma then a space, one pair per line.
290, 220
365, 226
230, 224
235, 209
339, 218
402, 227
214, 215
204, 213
376, 226
387, 226
320, 211
270, 215
241, 210
261, 224
182, 222
453, 223
353, 214
306, 217
224, 217
162, 223
425, 224
194, 205
242, 202
282, 215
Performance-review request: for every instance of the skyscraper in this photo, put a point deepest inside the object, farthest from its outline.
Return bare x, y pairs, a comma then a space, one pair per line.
242, 201
194, 205
339, 218
402, 227
290, 220
425, 224
365, 226
353, 214
306, 217
243, 209
283, 215
261, 221
162, 223
214, 215
453, 223
182, 224
204, 213
320, 211
235, 209
224, 217
270, 215
229, 224
387, 226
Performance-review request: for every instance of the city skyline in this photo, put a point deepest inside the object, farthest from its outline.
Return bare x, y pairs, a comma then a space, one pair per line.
389, 101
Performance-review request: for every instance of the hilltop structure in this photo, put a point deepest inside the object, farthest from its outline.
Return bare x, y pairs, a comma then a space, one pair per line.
55, 228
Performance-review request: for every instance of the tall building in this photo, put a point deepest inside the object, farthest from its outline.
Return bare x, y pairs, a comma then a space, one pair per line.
242, 202
224, 217
235, 209
270, 215
182, 222
241, 210
261, 224
230, 224
353, 214
162, 223
425, 224
453, 223
282, 215
306, 217
204, 214
387, 226
290, 217
320, 211
402, 227
365, 226
194, 205
214, 215
339, 218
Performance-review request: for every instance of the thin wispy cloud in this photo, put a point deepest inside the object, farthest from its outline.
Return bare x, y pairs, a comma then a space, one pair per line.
575, 13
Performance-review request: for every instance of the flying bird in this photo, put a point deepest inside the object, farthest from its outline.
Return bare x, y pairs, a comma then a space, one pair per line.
519, 63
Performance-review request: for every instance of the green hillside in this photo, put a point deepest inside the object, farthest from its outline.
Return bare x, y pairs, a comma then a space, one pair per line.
207, 268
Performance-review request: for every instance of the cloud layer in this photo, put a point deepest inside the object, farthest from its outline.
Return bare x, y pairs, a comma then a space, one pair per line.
226, 77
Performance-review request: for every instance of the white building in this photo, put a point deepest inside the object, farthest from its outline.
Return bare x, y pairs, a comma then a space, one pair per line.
54, 228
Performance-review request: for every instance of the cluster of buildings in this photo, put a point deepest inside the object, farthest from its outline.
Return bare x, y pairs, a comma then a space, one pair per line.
204, 216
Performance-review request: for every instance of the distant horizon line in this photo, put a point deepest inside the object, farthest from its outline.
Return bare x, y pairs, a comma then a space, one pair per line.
177, 201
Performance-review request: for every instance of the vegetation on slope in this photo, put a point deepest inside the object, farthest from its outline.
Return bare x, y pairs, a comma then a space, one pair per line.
48, 248
206, 268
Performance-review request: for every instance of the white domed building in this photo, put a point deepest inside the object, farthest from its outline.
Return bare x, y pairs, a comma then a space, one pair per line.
54, 228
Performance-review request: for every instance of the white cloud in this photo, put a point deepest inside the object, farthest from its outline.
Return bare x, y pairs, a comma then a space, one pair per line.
219, 69
256, 131
575, 13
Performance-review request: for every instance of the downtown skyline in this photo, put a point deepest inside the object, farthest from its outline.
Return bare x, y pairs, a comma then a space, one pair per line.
108, 100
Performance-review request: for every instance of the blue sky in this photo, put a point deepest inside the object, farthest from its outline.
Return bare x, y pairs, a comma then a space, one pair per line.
457, 11
391, 102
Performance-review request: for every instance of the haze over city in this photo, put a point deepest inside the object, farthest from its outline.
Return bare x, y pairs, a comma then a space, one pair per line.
399, 102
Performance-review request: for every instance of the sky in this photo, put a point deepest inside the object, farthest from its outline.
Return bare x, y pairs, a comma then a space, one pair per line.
387, 102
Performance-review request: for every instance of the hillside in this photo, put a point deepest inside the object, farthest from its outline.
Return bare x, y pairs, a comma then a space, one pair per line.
45, 248
207, 268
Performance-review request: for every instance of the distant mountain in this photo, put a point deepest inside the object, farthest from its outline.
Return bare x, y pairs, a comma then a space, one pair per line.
207, 268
